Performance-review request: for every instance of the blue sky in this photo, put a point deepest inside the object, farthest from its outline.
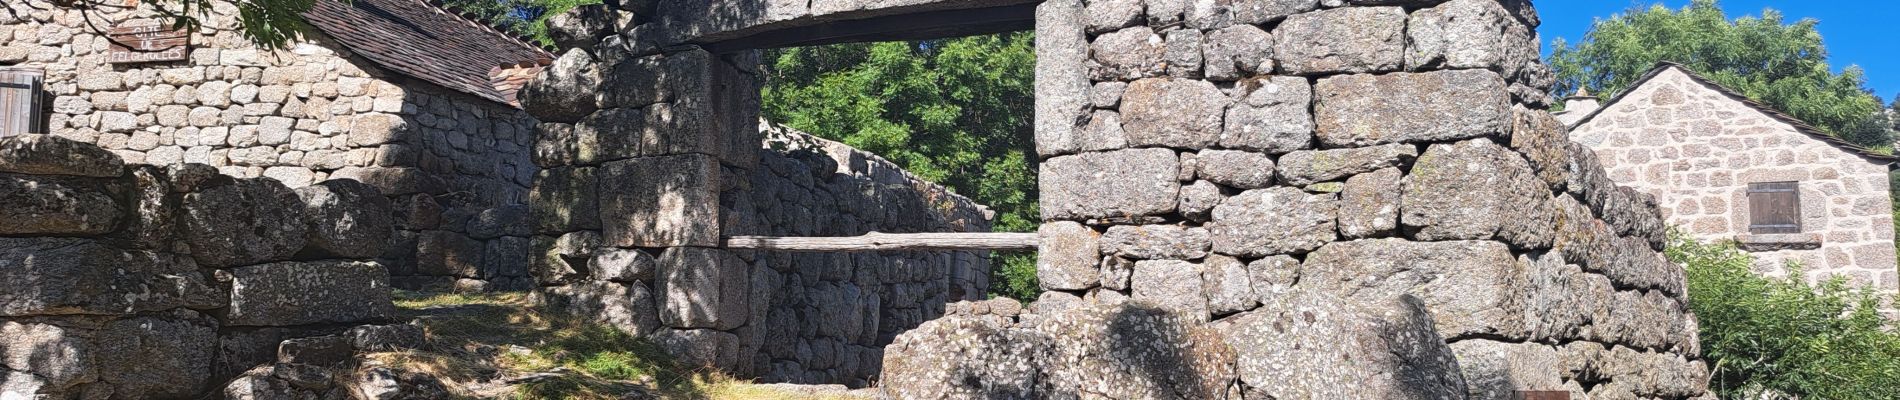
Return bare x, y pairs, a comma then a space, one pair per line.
1857, 32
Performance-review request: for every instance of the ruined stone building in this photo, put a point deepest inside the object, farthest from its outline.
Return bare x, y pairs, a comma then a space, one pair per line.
1723, 167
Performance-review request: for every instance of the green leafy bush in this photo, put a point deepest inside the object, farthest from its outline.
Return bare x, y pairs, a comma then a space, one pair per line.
1781, 337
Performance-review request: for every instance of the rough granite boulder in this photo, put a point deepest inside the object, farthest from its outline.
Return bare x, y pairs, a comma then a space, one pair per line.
1275, 116
965, 357
1155, 242
1474, 34
1364, 110
1211, 14
314, 292
60, 276
348, 219
563, 200
660, 201
1316, 346
1470, 287
703, 288
1068, 255
622, 265
1238, 51
1308, 167
1128, 54
1456, 191
628, 307
1279, 220
52, 155
1122, 183
158, 356
1171, 285
1173, 112
244, 222
566, 91
1133, 351
1235, 169
562, 259
1341, 40
39, 205
1369, 204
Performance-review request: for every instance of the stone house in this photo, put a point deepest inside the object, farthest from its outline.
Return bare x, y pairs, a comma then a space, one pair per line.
1723, 167
400, 94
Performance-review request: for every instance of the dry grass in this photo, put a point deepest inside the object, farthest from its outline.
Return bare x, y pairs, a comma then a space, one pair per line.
478, 343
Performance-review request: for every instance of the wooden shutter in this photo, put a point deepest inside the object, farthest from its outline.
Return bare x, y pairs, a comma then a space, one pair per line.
1774, 207
20, 101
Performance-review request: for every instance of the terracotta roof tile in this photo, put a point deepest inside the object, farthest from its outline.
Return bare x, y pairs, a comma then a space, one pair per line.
426, 42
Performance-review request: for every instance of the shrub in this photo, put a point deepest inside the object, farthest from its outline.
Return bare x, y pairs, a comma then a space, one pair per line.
1781, 337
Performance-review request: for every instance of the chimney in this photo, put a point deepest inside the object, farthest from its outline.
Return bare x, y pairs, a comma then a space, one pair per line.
1578, 106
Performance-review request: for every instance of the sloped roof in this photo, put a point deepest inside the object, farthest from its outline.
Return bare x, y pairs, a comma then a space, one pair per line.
426, 42
1771, 112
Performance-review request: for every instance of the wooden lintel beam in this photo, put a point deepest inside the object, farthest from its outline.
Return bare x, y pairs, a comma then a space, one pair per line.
876, 241
918, 26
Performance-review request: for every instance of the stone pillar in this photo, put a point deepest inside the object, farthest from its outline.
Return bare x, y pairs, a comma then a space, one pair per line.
1316, 199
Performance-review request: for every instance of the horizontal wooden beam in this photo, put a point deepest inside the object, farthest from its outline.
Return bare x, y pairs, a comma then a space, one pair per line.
877, 241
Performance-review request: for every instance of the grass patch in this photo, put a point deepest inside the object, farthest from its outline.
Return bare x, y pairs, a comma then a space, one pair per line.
478, 342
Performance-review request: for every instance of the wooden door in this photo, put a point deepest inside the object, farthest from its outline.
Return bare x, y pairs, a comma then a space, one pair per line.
20, 110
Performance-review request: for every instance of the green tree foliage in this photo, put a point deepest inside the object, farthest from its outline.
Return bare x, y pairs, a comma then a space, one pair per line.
1783, 338
956, 112
521, 17
1780, 64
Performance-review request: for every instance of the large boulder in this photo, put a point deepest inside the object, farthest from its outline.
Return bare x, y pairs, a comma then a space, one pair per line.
1316, 346
1279, 220
1456, 191
299, 293
348, 219
628, 307
1363, 110
1274, 116
1069, 253
52, 155
1470, 287
58, 276
566, 91
1173, 112
51, 206
660, 201
1342, 40
244, 222
703, 288
965, 357
1121, 183
1133, 351
163, 356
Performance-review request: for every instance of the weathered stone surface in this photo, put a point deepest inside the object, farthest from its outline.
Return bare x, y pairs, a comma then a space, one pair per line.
243, 222
394, 181
1479, 34
1274, 116
1369, 204
1155, 242
1237, 52
965, 357
506, 257
630, 308
703, 288
1172, 112
166, 356
1228, 285
52, 155
509, 220
57, 357
1127, 54
1341, 40
1314, 166
582, 27
1118, 183
622, 265
1062, 81
50, 206
1116, 271
1315, 345
1171, 285
298, 293
446, 253
700, 347
660, 201
325, 350
560, 260
1273, 277
1133, 351
1109, 15
1470, 287
1279, 220
1498, 370
564, 200
1199, 199
1184, 52
1545, 141
1362, 110
1103, 132
394, 337
347, 219
566, 90
1235, 169
1457, 191
1209, 14
1067, 256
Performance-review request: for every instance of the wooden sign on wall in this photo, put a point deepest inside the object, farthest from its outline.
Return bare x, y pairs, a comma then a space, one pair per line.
147, 42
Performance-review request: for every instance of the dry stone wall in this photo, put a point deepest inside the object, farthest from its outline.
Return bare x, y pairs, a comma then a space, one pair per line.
139, 281
1315, 199
652, 154
302, 115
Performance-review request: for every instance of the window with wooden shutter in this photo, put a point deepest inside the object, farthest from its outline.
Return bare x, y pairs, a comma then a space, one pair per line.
1774, 207
20, 110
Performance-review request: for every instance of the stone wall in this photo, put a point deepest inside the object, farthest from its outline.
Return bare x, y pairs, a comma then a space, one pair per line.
651, 155
1697, 150
138, 281
305, 114
1315, 199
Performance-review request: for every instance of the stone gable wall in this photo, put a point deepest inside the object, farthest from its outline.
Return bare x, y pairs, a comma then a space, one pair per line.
139, 281
1697, 151
302, 115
